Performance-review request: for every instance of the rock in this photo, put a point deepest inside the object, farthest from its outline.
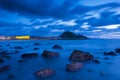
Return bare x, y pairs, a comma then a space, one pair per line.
44, 73
78, 55
1, 60
96, 61
36, 48
75, 66
49, 54
36, 44
117, 50
10, 76
106, 58
102, 74
110, 53
29, 55
8, 44
6, 56
20, 61
57, 47
18, 47
4, 68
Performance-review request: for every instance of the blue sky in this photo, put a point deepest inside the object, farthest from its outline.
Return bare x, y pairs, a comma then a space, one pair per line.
93, 18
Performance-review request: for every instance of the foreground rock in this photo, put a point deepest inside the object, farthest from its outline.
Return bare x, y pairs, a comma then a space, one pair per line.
4, 68
1, 60
44, 73
117, 50
57, 47
78, 55
110, 53
21, 61
36, 44
49, 54
75, 66
29, 55
96, 61
18, 47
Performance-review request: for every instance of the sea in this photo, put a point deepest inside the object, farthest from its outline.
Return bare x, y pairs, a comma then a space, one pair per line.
110, 68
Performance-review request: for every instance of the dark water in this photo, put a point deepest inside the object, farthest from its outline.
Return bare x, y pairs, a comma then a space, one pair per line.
25, 70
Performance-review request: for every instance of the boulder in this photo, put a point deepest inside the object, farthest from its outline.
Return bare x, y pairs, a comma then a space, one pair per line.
6, 56
96, 61
75, 66
4, 68
57, 47
117, 50
36, 44
18, 47
1, 60
44, 73
21, 61
29, 55
110, 53
49, 54
36, 49
78, 55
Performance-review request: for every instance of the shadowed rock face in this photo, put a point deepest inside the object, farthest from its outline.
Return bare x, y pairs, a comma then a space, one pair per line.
1, 60
29, 55
4, 68
117, 50
49, 54
44, 73
36, 44
57, 47
75, 66
78, 55
18, 47
110, 53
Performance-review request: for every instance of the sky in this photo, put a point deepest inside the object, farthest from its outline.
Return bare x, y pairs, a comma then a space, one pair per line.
92, 18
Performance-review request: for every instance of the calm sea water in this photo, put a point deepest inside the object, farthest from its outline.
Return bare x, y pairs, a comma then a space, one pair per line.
25, 70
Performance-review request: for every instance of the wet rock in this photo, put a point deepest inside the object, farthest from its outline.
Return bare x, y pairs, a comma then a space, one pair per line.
57, 47
3, 52
44, 73
49, 54
78, 55
29, 55
10, 76
117, 50
110, 53
18, 47
96, 61
8, 44
102, 74
75, 66
106, 58
36, 48
4, 68
6, 56
21, 61
36, 44
1, 60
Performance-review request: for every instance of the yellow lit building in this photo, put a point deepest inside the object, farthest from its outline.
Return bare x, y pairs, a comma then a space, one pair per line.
23, 37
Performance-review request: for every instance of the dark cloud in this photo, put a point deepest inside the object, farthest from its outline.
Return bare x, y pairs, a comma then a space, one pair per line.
40, 7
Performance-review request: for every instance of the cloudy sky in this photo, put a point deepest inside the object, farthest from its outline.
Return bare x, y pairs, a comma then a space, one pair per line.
92, 18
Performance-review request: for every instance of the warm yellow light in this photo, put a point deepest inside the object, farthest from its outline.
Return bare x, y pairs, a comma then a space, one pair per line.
22, 37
